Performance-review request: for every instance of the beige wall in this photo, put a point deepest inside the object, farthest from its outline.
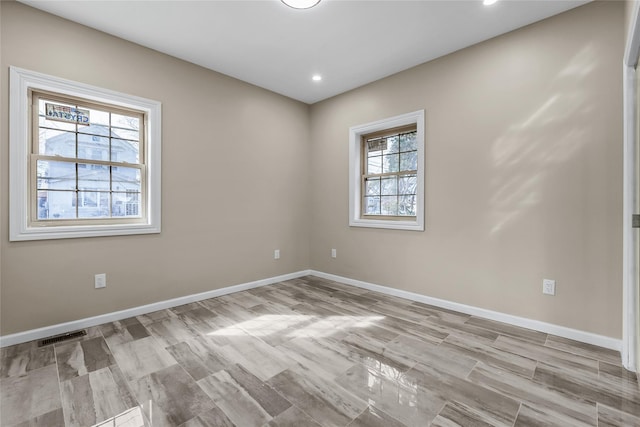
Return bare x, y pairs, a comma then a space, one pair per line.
234, 185
523, 175
523, 178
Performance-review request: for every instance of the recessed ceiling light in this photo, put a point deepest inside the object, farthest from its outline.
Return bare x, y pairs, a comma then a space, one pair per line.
316, 77
301, 4
489, 2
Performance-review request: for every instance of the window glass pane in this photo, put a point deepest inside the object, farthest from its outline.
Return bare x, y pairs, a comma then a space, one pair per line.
389, 186
98, 153
43, 205
98, 117
372, 186
54, 124
393, 145
408, 141
125, 151
409, 161
126, 179
56, 175
56, 204
93, 204
57, 143
372, 205
93, 177
407, 205
374, 165
389, 205
132, 135
126, 205
99, 130
125, 122
390, 163
90, 146
407, 184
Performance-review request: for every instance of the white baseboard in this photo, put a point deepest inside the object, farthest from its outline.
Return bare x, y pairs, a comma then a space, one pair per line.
536, 325
574, 334
62, 328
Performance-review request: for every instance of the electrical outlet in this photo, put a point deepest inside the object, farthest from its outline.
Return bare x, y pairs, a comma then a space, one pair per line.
334, 253
101, 280
548, 287
276, 254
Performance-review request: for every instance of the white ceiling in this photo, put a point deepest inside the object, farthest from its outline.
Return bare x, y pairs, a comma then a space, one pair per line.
264, 42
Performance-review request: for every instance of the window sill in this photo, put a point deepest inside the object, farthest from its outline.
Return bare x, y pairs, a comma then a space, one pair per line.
76, 231
392, 224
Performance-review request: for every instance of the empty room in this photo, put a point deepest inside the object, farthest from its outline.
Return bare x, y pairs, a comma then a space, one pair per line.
319, 213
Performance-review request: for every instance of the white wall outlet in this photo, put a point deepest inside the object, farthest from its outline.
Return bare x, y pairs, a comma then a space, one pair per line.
334, 253
276, 254
548, 287
101, 280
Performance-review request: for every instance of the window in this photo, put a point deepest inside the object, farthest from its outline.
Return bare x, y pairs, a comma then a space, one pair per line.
389, 179
85, 161
387, 173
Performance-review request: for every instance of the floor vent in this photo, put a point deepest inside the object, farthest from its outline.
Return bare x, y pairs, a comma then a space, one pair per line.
61, 337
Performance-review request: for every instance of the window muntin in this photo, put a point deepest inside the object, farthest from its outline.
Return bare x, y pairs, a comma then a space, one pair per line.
389, 173
90, 172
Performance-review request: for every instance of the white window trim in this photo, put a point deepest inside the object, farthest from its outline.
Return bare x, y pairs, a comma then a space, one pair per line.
355, 154
19, 151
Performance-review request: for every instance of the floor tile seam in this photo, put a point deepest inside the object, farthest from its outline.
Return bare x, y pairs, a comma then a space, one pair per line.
603, 385
133, 396
501, 358
293, 405
521, 401
582, 358
126, 383
472, 369
240, 394
55, 358
493, 345
416, 322
349, 424
388, 358
591, 357
437, 413
566, 393
384, 412
317, 397
185, 371
286, 400
599, 404
264, 383
399, 334
517, 415
421, 340
495, 418
492, 417
504, 333
621, 385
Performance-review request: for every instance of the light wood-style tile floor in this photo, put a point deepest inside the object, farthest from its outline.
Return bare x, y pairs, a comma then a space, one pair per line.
310, 352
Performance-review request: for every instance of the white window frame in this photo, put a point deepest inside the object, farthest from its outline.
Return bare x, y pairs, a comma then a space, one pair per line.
21, 82
356, 219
